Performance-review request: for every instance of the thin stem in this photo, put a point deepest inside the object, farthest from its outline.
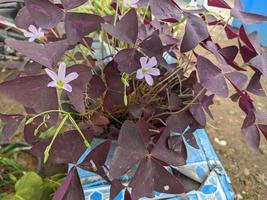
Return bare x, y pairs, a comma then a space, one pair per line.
59, 93
184, 108
47, 150
43, 113
79, 130
117, 12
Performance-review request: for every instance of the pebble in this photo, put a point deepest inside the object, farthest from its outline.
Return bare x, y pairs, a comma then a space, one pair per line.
220, 142
239, 196
246, 172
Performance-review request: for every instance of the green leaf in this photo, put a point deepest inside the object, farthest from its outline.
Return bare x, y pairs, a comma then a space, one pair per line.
29, 187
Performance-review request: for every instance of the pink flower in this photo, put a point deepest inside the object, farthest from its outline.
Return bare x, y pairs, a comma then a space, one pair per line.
60, 80
148, 69
33, 33
131, 3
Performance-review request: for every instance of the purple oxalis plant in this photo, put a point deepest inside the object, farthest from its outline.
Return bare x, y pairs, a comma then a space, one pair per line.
144, 81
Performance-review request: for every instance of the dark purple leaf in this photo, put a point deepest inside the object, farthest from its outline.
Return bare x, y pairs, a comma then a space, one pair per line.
115, 188
32, 68
165, 10
143, 129
152, 46
231, 32
128, 60
11, 124
246, 18
246, 53
252, 137
67, 147
211, 77
202, 104
263, 129
176, 143
112, 99
71, 187
179, 122
255, 86
112, 77
126, 29
163, 153
249, 120
79, 85
69, 4
127, 195
229, 52
130, 150
113, 96
219, 4
78, 25
96, 87
151, 176
195, 32
237, 78
44, 13
24, 19
245, 102
47, 55
24, 89
260, 63
244, 37
174, 102
98, 156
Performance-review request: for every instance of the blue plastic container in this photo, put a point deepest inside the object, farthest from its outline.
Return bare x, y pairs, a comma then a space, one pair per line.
203, 166
255, 7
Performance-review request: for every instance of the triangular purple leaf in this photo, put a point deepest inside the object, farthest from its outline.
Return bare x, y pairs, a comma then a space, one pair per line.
71, 187
11, 124
130, 150
69, 4
151, 176
24, 89
78, 25
126, 29
195, 32
44, 13
211, 77
165, 10
47, 55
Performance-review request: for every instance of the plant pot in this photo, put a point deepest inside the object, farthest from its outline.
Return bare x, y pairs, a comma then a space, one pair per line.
203, 176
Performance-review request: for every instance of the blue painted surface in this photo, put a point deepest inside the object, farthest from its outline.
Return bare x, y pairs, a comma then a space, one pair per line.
203, 165
255, 7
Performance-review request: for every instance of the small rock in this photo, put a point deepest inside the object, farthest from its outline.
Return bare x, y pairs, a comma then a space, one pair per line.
239, 196
220, 142
246, 172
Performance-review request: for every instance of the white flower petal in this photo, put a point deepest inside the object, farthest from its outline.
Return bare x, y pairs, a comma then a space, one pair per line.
31, 39
62, 71
139, 74
149, 79
28, 34
70, 77
152, 62
32, 29
52, 84
51, 74
153, 71
143, 61
67, 87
